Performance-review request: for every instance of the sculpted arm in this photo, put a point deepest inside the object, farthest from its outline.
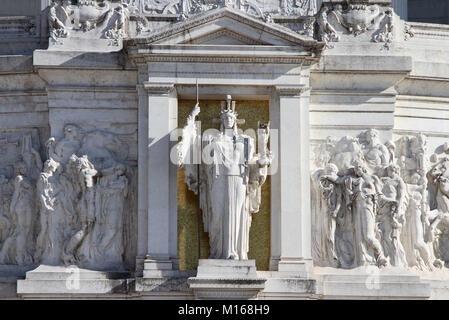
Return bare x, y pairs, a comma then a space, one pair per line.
43, 195
385, 155
189, 136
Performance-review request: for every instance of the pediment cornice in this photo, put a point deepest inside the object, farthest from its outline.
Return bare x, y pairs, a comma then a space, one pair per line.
235, 22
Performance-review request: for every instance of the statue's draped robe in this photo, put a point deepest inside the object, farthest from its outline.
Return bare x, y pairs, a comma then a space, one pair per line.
229, 189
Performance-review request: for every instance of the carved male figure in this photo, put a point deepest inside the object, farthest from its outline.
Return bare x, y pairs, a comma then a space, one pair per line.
82, 174
376, 154
62, 150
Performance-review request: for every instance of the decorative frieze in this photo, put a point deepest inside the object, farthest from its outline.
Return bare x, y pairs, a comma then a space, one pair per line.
69, 210
379, 203
87, 20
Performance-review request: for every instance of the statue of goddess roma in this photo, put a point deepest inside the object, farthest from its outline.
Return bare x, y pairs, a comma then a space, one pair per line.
228, 179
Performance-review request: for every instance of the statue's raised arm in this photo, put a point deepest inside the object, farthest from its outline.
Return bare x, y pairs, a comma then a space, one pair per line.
190, 134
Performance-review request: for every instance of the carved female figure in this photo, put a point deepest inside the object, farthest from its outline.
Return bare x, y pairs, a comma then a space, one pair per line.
418, 251
230, 164
363, 189
22, 208
53, 220
331, 188
112, 191
392, 206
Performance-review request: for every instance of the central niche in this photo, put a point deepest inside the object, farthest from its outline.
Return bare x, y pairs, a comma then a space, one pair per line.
259, 241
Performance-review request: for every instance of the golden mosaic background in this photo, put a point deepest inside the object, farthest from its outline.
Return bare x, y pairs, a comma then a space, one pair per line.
259, 238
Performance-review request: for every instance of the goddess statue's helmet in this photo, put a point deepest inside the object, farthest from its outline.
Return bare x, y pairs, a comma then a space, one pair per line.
228, 107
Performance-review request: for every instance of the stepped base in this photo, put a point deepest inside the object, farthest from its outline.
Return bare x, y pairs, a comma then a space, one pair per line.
226, 279
56, 281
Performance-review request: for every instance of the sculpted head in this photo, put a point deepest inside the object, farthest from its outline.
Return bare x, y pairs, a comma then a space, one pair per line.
119, 9
390, 145
120, 170
372, 136
228, 116
51, 166
392, 170
228, 119
20, 168
360, 168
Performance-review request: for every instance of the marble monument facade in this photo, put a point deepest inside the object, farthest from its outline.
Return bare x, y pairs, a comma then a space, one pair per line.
356, 159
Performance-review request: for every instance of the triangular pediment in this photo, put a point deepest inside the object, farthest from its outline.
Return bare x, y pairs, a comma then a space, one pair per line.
226, 26
225, 37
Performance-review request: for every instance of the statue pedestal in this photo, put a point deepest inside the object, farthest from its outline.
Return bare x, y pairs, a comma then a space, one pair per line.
59, 281
226, 279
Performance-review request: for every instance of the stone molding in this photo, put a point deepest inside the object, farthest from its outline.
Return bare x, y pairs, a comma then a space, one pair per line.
291, 91
159, 88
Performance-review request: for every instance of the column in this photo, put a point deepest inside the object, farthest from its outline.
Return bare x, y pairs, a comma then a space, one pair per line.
142, 220
161, 180
294, 221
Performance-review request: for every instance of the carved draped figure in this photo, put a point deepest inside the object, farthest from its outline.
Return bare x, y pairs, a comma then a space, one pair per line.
229, 181
55, 211
363, 189
224, 194
107, 234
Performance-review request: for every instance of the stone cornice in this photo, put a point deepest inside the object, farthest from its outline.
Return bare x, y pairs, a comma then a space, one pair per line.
291, 90
179, 28
159, 88
222, 54
305, 61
